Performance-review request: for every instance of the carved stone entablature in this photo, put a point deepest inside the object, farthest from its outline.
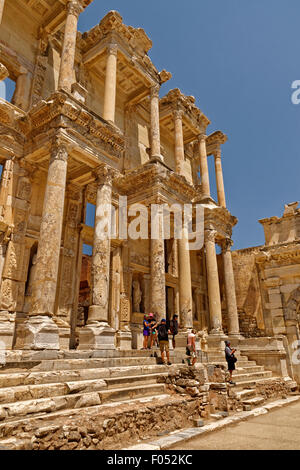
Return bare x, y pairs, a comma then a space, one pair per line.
60, 105
12, 119
132, 40
221, 220
281, 254
214, 141
153, 176
176, 100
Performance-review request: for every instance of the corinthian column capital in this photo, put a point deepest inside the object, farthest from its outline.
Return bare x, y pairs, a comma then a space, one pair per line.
112, 49
226, 244
202, 137
210, 235
218, 153
104, 174
178, 114
59, 149
154, 91
74, 8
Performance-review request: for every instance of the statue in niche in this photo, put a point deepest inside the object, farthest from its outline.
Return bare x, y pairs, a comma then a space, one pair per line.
136, 296
195, 312
31, 276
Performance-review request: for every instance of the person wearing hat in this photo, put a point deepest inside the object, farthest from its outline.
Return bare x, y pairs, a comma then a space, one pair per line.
174, 328
231, 360
163, 337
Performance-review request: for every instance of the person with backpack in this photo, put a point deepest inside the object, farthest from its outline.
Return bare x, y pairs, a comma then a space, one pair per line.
231, 360
191, 347
153, 324
174, 327
163, 338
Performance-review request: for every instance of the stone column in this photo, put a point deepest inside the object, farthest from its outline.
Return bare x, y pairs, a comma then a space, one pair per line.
232, 313
109, 109
1, 9
219, 179
179, 143
124, 336
98, 334
215, 310
22, 92
40, 330
157, 260
66, 72
185, 282
155, 129
203, 165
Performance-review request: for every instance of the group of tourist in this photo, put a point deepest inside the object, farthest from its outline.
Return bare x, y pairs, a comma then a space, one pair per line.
159, 332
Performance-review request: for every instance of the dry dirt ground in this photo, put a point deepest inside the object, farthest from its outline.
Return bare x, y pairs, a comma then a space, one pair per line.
277, 430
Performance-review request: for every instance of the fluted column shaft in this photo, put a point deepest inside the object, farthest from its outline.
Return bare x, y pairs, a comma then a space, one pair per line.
232, 313
110, 89
219, 179
48, 254
157, 254
215, 310
98, 311
1, 9
69, 46
179, 142
185, 282
204, 166
155, 129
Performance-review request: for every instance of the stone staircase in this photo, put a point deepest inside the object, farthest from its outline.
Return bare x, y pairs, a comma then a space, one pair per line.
34, 385
247, 377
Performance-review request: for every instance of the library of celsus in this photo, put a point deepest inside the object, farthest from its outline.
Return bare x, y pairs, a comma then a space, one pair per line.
86, 127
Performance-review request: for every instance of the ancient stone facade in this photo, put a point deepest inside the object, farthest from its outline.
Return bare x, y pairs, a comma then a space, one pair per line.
86, 125
267, 280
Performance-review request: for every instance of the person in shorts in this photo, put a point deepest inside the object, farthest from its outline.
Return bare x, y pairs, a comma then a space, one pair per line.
231, 360
191, 346
163, 337
146, 332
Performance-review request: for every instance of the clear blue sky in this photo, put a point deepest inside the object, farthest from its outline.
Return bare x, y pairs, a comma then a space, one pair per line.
238, 58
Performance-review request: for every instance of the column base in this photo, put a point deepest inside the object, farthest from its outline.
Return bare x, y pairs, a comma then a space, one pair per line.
40, 333
216, 341
96, 336
124, 340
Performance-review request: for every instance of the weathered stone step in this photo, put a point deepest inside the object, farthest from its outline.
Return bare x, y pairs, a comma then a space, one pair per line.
255, 401
42, 406
41, 377
28, 392
238, 377
241, 363
243, 394
64, 364
251, 383
131, 392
